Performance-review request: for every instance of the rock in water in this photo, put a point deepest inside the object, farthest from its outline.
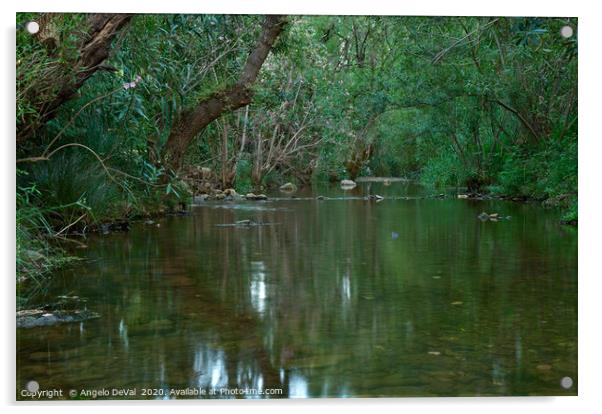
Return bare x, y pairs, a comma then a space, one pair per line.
288, 188
491, 217
252, 196
376, 197
36, 317
483, 216
348, 184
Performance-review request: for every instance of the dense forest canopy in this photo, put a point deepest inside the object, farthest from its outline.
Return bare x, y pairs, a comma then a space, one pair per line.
113, 111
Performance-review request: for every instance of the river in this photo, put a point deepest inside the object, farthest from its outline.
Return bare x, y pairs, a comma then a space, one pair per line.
338, 297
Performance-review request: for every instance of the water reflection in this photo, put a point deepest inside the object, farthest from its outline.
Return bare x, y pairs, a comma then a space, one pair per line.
210, 367
346, 288
123, 333
258, 286
342, 298
297, 386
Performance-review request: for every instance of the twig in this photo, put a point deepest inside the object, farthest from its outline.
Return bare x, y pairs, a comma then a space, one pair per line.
442, 53
71, 224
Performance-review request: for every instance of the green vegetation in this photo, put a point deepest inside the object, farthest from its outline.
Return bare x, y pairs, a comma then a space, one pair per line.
489, 104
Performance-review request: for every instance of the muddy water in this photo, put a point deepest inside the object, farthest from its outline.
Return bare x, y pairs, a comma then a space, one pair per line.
338, 298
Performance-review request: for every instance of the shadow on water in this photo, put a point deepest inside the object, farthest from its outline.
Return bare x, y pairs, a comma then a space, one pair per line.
406, 297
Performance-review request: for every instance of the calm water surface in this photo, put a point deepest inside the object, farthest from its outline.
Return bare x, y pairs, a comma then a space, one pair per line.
337, 298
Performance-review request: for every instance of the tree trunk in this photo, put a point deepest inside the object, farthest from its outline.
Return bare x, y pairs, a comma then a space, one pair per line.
224, 153
192, 121
94, 48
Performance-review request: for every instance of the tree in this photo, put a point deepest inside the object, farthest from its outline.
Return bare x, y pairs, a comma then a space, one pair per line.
66, 72
192, 121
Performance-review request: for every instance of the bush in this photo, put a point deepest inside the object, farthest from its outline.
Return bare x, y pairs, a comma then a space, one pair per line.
545, 171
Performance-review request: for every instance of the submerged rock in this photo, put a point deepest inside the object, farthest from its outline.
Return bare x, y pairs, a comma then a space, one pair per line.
244, 222
483, 216
492, 217
32, 318
374, 197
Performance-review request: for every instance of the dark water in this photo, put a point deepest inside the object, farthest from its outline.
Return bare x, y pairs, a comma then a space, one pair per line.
337, 298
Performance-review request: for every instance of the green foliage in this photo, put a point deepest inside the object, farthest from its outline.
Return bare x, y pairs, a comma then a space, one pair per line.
443, 171
39, 70
547, 171
64, 182
243, 176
